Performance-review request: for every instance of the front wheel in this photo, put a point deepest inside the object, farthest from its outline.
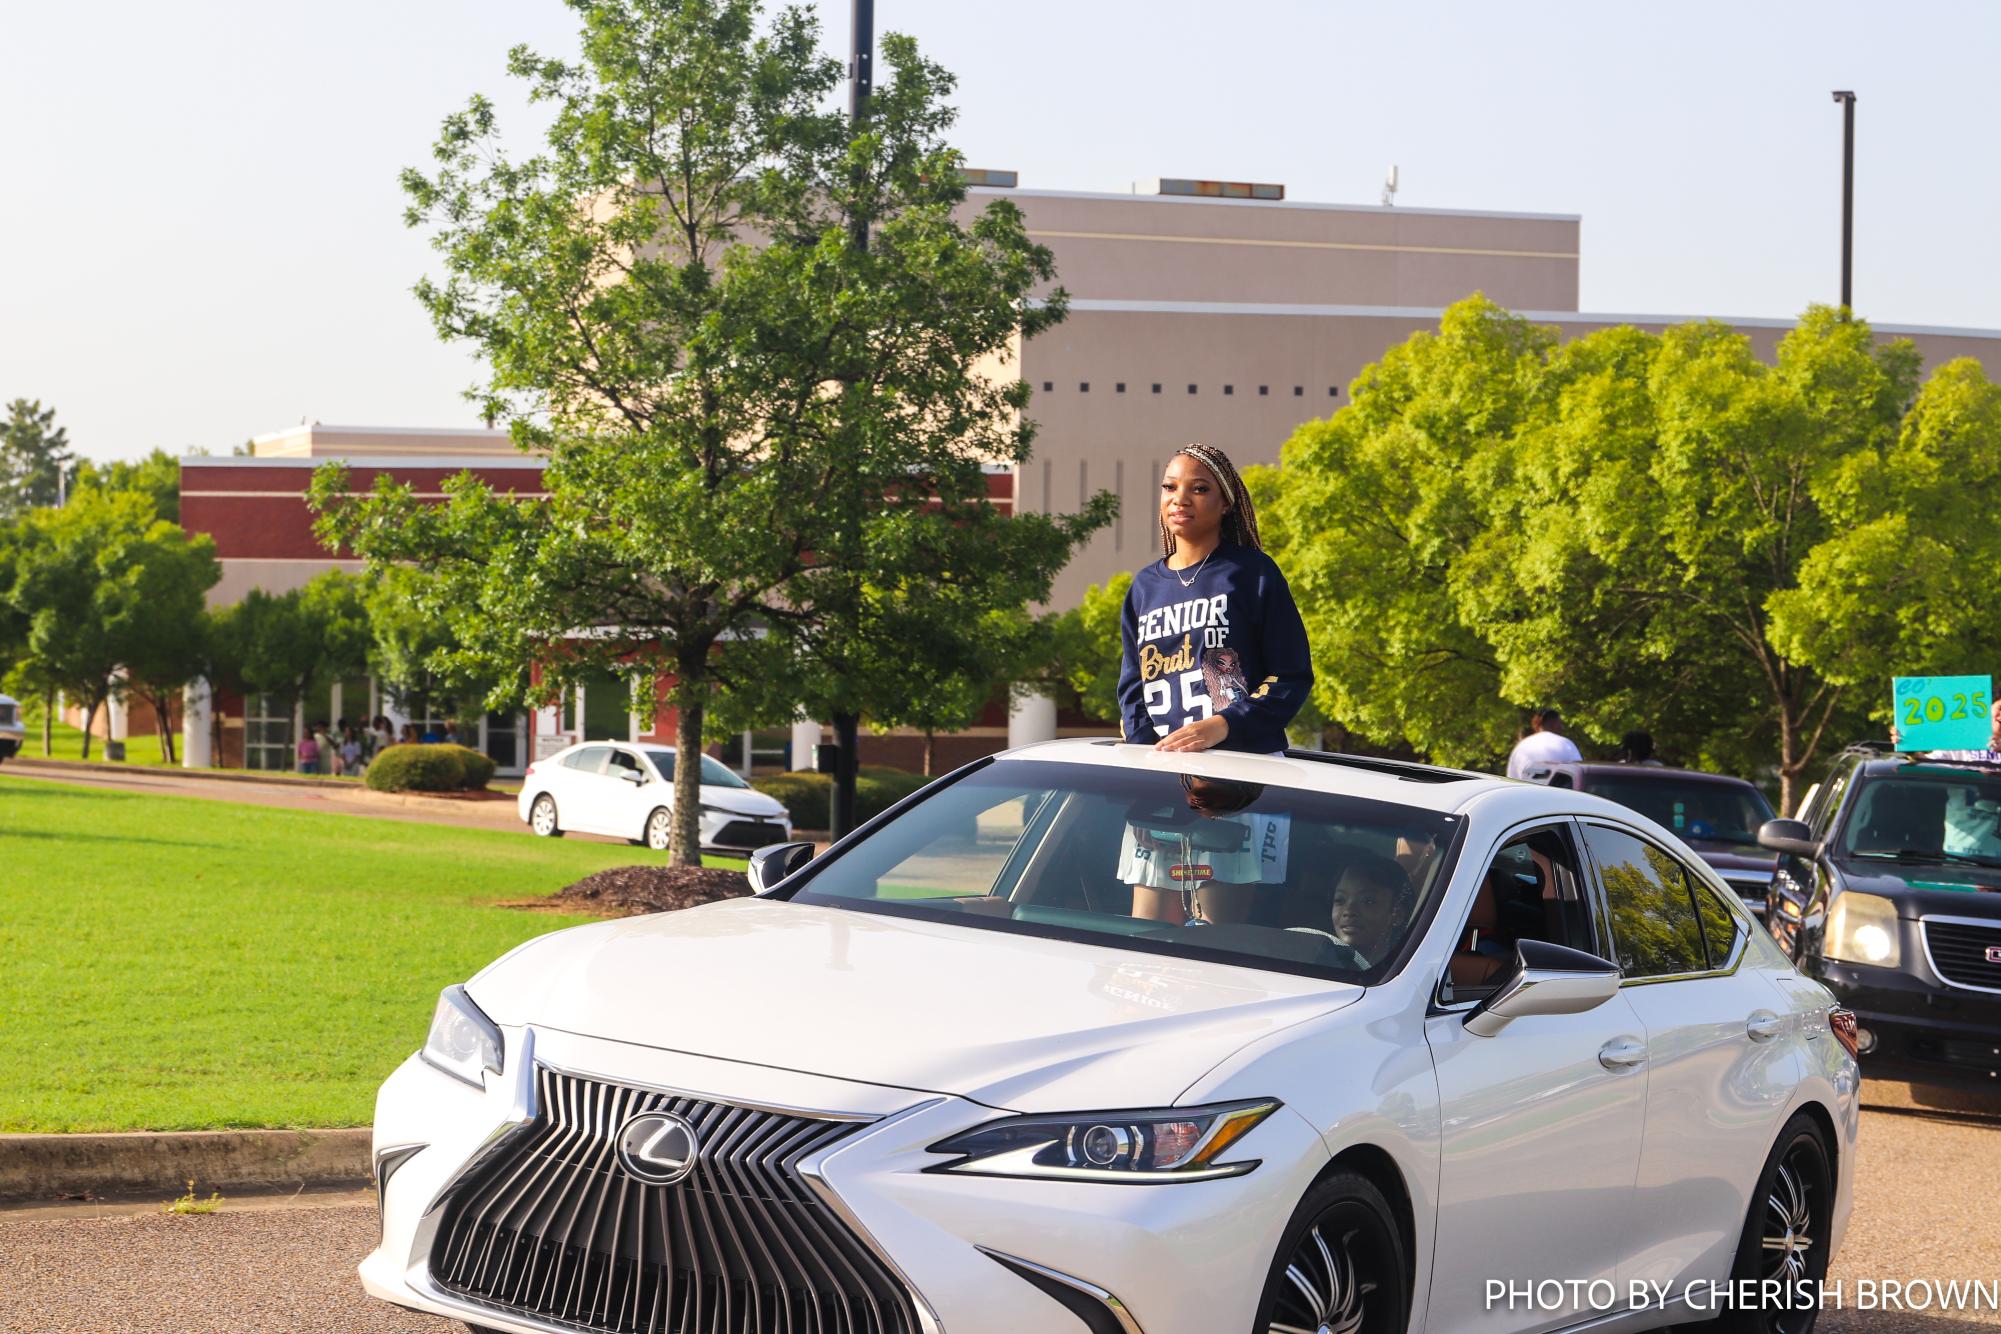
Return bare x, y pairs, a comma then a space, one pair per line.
1785, 1237
542, 817
1340, 1266
660, 829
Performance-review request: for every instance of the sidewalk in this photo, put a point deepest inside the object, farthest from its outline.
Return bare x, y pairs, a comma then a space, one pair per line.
494, 811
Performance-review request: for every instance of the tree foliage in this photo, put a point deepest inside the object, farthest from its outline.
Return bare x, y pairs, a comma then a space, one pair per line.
284, 644
35, 458
157, 475
746, 419
1653, 530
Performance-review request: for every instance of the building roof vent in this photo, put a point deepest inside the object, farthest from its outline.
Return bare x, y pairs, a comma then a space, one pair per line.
1219, 189
993, 180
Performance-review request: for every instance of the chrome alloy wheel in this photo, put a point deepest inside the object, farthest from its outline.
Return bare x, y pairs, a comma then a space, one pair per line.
1328, 1293
660, 830
542, 816
1788, 1226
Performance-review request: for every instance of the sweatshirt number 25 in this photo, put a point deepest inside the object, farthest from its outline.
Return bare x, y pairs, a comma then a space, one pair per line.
1195, 704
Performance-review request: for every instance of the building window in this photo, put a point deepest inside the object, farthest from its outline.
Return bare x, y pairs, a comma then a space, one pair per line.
267, 734
1299, 391
1084, 386
1191, 388
1119, 388
1229, 389
1333, 391
1264, 391
1048, 386
1156, 389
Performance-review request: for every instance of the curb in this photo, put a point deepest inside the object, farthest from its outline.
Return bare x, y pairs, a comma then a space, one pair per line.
35, 764
162, 1163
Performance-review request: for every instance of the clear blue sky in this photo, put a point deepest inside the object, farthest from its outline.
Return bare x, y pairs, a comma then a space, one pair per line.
201, 238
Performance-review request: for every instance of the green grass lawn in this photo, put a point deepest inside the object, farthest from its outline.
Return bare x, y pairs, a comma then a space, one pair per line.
179, 963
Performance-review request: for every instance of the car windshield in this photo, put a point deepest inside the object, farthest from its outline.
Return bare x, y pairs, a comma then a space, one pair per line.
714, 772
1689, 807
1927, 814
1234, 872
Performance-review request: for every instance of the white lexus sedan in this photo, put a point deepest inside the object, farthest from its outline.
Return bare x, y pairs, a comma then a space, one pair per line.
1088, 1038
627, 791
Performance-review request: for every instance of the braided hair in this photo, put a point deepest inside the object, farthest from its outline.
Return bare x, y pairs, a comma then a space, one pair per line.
1240, 520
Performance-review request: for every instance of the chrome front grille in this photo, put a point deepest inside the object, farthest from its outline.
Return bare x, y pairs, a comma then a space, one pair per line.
554, 1227
1958, 948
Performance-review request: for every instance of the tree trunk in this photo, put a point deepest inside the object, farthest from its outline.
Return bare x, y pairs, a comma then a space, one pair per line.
166, 733
89, 721
48, 723
847, 730
687, 839
930, 745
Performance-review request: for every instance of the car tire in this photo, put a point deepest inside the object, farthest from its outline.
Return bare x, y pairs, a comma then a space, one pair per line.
542, 817
1341, 1264
659, 830
1794, 1197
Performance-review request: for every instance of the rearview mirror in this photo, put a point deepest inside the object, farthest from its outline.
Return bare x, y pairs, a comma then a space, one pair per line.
1791, 836
769, 865
1546, 979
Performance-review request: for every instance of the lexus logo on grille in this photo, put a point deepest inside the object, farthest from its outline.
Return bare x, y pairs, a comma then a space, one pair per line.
1994, 954
659, 1147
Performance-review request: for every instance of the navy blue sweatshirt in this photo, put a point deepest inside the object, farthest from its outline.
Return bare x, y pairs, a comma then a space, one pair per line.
1231, 642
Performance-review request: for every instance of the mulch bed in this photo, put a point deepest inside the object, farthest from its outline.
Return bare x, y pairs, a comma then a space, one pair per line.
627, 891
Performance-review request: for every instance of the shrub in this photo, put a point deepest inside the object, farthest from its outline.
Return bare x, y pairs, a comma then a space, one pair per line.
477, 765
809, 796
416, 768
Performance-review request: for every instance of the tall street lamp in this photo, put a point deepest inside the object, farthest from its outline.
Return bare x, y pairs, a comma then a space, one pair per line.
1847, 100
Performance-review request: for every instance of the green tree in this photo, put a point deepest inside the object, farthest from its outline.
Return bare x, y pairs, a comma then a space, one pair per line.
35, 460
730, 397
1647, 529
157, 475
283, 644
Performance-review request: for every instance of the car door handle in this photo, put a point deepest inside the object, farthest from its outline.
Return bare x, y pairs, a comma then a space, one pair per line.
1763, 1026
1622, 1054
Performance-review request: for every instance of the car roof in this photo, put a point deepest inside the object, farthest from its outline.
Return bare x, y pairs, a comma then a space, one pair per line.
1646, 772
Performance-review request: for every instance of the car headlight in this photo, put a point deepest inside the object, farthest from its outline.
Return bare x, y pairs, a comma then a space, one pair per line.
1166, 1144
463, 1042
1862, 928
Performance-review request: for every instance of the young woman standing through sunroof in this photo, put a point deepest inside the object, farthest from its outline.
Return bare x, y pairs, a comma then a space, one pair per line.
1215, 654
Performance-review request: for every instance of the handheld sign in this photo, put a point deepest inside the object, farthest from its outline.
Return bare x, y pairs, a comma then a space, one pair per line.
1942, 712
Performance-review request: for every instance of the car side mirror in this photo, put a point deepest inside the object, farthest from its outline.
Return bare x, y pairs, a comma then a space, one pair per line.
1546, 979
769, 865
1791, 836
633, 776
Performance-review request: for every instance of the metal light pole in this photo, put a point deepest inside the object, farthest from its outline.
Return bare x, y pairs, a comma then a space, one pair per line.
847, 725
1847, 100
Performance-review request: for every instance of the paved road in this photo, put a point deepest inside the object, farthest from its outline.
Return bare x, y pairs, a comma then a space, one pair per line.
1923, 1211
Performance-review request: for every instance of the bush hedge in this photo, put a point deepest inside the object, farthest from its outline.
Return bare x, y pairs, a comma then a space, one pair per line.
428, 768
809, 796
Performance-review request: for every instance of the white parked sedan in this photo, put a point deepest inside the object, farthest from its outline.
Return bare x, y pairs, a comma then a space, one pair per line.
1089, 1038
627, 791
12, 734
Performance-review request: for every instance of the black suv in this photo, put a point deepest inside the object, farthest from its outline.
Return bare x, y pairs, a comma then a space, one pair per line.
1716, 815
1888, 890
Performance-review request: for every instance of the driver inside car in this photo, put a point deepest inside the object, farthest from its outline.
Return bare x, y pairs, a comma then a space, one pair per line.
1371, 901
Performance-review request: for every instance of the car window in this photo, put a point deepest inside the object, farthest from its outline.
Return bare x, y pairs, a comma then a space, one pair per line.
1722, 930
1829, 804
1699, 810
714, 772
1655, 931
1531, 890
1927, 813
590, 759
1192, 865
623, 762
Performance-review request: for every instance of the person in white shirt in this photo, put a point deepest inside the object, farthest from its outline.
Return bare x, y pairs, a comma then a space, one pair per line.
1545, 744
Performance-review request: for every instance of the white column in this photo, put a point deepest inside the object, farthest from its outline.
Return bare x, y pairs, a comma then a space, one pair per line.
196, 702
114, 719
805, 744
1030, 718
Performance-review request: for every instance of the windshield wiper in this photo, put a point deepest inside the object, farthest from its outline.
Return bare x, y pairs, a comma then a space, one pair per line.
1931, 858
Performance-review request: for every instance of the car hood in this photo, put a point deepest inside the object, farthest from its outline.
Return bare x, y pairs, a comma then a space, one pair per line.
741, 801
1968, 891
1013, 1021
